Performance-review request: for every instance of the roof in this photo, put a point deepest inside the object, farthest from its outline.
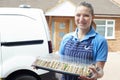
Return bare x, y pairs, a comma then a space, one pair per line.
104, 7
65, 8
101, 7
117, 2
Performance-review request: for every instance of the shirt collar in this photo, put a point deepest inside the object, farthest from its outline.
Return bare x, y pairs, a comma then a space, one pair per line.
90, 34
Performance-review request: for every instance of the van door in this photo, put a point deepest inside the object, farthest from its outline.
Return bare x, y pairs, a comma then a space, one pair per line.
23, 38
0, 59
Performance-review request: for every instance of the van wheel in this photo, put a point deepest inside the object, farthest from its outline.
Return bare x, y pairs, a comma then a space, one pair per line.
25, 77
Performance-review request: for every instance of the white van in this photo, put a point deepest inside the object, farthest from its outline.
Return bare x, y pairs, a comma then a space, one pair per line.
24, 35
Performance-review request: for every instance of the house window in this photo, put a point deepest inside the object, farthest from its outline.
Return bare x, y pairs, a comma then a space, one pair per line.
106, 28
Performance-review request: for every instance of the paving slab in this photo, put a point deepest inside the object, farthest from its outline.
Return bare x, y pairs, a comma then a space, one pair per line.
112, 67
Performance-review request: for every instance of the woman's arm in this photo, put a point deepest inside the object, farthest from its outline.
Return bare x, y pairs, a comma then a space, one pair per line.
97, 71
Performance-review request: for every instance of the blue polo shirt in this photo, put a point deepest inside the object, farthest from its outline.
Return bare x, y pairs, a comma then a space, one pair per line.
100, 47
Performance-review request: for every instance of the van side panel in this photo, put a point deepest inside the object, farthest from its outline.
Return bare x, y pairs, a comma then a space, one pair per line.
24, 37
0, 60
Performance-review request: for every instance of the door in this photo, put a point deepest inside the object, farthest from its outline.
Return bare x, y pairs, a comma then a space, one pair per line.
61, 27
0, 58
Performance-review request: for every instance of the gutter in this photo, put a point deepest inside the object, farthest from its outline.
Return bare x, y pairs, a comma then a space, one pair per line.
107, 15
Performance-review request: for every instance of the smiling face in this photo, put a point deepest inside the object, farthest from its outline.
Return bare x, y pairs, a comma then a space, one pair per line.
83, 17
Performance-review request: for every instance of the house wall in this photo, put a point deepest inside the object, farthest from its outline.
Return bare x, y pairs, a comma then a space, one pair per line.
114, 44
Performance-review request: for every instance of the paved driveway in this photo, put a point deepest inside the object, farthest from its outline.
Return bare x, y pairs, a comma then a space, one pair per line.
112, 67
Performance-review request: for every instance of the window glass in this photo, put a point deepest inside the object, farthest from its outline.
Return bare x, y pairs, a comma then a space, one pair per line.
100, 22
110, 31
101, 30
61, 34
110, 22
62, 25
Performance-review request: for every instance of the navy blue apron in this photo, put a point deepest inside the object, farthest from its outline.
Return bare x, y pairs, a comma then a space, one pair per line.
82, 51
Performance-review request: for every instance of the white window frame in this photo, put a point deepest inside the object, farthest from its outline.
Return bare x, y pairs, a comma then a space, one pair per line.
107, 26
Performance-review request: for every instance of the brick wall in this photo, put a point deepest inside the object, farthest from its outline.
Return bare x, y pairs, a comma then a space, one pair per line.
114, 45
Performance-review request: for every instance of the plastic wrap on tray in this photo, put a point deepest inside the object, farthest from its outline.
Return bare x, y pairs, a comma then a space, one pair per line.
64, 65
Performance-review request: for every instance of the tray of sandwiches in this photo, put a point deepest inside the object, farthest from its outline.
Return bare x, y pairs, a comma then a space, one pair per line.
53, 62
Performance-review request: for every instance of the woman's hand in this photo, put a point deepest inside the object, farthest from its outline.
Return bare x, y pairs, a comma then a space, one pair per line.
96, 73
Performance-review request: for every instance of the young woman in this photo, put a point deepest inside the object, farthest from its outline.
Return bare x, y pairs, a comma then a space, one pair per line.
85, 43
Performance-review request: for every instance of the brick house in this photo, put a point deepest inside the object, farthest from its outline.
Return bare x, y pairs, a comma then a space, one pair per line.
60, 17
